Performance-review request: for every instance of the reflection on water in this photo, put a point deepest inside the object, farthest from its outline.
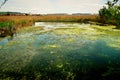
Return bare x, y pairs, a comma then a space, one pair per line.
3, 41
69, 51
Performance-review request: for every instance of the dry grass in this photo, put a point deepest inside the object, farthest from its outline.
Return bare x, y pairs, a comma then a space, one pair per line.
22, 21
19, 21
47, 17
64, 17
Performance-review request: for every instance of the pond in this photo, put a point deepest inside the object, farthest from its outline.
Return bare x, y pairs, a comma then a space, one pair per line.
61, 51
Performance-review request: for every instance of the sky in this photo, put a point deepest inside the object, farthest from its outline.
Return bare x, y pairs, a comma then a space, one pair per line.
53, 6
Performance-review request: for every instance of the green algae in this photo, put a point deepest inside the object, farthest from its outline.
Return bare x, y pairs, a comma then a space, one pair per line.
66, 53
109, 30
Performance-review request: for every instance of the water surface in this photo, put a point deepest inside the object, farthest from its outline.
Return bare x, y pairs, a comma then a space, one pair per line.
61, 51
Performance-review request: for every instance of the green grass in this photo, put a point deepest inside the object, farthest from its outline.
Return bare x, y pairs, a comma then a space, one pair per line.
7, 24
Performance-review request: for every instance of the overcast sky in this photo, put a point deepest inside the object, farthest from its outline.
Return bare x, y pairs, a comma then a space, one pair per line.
53, 6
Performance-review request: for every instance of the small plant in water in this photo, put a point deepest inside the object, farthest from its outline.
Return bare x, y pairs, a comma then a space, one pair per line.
7, 28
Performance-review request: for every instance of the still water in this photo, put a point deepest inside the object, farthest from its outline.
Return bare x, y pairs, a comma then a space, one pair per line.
61, 51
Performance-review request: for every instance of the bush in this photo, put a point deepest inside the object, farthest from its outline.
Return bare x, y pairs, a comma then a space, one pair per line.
7, 28
110, 14
23, 22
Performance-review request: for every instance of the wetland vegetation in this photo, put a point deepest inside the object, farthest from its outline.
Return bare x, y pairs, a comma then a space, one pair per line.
58, 51
61, 47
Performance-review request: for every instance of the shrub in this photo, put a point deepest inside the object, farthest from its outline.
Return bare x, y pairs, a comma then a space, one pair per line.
7, 28
110, 14
23, 22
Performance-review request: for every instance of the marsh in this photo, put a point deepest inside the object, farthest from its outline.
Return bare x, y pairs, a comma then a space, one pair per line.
61, 51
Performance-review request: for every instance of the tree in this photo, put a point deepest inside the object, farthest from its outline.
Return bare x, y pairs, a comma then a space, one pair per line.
4, 1
111, 13
111, 3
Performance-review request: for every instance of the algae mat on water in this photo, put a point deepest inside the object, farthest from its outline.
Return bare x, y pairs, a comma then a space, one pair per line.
69, 51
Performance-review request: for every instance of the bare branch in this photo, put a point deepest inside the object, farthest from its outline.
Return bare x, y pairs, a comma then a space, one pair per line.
3, 3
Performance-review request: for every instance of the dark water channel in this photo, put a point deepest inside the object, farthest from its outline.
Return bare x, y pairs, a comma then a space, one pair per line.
61, 51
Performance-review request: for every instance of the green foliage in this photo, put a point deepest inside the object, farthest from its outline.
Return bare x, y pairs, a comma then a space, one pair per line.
111, 3
111, 13
7, 28
8, 24
22, 22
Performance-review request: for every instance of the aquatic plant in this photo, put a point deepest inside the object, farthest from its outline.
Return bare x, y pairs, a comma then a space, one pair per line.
71, 52
7, 28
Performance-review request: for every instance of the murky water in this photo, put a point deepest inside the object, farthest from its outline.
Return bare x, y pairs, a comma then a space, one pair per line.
61, 51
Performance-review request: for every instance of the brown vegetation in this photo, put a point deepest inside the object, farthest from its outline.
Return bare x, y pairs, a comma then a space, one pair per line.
23, 21
47, 18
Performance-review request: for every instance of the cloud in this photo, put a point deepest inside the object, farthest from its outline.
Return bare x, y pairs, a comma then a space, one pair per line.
90, 6
53, 6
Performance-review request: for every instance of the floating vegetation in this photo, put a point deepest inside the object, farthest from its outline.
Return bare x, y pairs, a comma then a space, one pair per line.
71, 52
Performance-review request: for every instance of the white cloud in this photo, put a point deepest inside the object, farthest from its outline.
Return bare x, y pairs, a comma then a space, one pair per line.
91, 6
53, 6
